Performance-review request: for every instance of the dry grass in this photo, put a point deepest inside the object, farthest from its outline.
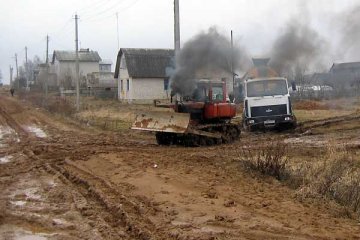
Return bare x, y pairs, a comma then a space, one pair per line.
53, 104
311, 105
335, 176
314, 115
271, 160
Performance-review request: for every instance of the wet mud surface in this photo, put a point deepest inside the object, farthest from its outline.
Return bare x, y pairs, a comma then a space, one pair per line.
60, 180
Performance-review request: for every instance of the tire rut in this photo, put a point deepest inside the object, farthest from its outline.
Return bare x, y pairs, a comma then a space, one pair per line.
125, 212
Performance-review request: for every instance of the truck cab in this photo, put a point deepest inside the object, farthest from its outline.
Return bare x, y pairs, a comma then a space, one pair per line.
267, 104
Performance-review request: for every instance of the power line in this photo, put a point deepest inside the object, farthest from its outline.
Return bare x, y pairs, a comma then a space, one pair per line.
61, 29
106, 10
113, 12
101, 12
93, 6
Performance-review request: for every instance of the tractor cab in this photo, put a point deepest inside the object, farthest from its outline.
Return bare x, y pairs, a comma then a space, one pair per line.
208, 102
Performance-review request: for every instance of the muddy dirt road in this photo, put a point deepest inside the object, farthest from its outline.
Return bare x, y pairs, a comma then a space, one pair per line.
62, 180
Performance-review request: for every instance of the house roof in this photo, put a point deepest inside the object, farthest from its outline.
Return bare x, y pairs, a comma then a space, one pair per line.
345, 66
84, 56
105, 62
145, 63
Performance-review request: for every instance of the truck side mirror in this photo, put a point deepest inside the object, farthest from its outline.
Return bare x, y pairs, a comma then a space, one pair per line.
293, 86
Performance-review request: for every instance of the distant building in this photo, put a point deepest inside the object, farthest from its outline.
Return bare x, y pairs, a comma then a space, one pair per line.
345, 76
142, 73
349, 67
63, 65
41, 76
105, 66
103, 77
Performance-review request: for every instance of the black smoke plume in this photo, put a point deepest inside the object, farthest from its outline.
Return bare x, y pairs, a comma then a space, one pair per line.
298, 45
207, 50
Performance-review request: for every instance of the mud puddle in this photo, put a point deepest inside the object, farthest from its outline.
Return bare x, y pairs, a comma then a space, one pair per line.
36, 130
313, 141
6, 135
12, 232
6, 159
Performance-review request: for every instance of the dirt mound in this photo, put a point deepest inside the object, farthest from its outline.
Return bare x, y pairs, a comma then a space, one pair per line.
311, 105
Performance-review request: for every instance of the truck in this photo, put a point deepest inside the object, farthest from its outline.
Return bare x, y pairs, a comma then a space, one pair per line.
202, 119
267, 102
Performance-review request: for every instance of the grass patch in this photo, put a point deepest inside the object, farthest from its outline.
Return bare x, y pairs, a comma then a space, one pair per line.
271, 160
336, 176
313, 115
333, 175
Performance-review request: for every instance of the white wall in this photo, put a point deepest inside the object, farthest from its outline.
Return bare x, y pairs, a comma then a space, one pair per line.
69, 67
148, 88
140, 88
123, 76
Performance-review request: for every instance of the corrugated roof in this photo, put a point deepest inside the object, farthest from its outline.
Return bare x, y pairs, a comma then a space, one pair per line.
343, 66
145, 63
106, 62
84, 56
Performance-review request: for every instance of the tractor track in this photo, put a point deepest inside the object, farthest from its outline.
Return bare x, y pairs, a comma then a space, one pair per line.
117, 216
114, 215
125, 212
11, 121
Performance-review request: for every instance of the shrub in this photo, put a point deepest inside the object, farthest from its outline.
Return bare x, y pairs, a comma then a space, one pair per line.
270, 160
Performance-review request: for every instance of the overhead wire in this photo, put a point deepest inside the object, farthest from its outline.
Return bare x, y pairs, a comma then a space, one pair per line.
105, 5
113, 13
61, 29
103, 11
91, 7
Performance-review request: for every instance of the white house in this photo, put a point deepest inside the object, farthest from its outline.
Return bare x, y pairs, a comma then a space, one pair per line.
142, 73
63, 65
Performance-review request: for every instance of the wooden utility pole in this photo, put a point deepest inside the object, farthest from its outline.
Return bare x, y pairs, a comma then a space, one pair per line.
26, 69
176, 27
77, 64
11, 76
16, 65
47, 67
117, 27
17, 72
232, 62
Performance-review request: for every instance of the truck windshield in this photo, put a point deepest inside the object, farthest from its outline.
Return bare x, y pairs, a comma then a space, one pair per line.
266, 88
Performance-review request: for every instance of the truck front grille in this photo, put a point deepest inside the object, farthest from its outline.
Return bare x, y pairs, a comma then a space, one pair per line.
271, 110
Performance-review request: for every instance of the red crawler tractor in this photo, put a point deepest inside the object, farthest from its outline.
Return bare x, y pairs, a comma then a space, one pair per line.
204, 119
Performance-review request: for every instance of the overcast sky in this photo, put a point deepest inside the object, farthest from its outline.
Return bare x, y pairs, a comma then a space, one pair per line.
149, 24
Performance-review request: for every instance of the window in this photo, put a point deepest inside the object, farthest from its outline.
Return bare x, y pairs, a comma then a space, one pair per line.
217, 93
201, 94
267, 88
127, 85
166, 84
121, 85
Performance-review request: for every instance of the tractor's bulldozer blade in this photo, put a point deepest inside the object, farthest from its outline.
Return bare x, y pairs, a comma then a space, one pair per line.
162, 122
